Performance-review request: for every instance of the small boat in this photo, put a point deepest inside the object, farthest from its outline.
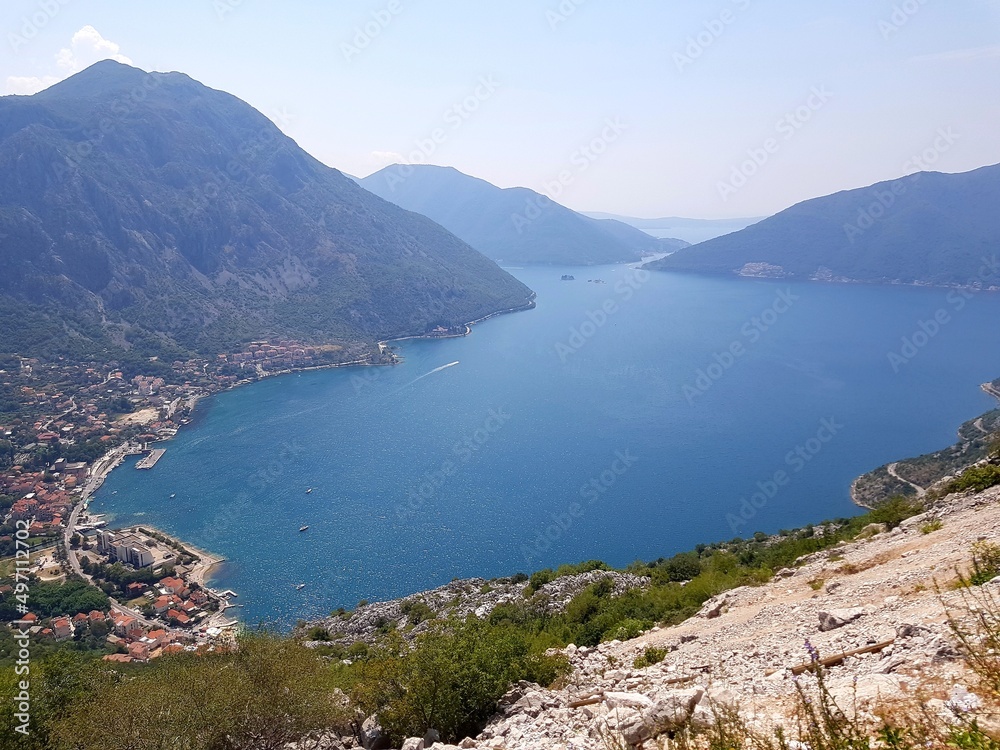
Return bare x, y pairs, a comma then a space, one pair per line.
309, 491
300, 587
173, 496
303, 528
114, 492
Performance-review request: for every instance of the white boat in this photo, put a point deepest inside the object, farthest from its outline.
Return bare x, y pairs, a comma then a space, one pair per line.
309, 491
300, 587
304, 528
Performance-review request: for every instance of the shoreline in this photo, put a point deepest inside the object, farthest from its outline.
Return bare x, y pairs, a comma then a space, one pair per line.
838, 281
101, 468
988, 388
207, 561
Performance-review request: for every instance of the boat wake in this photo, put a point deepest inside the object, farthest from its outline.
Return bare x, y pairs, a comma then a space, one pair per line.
426, 374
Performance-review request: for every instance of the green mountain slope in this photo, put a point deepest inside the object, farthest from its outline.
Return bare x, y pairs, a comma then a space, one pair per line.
148, 209
928, 228
514, 225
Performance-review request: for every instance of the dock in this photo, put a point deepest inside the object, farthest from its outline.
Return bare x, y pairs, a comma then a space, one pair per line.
150, 461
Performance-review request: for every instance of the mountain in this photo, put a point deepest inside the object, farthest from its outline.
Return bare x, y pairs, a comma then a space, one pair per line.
145, 209
926, 228
689, 230
513, 225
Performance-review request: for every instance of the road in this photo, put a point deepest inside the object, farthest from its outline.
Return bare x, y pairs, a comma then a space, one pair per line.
891, 468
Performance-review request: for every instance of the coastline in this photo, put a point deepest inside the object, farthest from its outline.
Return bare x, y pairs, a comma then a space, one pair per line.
101, 468
990, 389
207, 561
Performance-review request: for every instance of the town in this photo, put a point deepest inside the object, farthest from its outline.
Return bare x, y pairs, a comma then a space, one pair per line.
64, 426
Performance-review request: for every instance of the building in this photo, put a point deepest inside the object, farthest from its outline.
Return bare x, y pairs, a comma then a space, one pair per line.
62, 628
139, 651
124, 546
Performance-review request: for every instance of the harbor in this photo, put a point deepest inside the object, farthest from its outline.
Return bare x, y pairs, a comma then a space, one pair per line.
150, 461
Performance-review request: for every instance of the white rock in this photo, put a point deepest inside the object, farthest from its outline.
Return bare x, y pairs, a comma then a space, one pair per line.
627, 700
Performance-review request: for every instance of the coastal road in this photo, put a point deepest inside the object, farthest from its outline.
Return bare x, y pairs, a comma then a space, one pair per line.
100, 470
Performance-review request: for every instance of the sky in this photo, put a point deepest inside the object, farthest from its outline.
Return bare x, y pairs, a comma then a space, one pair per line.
646, 108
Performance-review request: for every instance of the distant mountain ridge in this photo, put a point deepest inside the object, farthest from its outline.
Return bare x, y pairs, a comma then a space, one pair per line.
511, 225
927, 228
689, 230
147, 209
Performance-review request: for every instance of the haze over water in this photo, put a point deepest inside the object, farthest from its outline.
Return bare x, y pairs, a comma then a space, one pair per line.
504, 462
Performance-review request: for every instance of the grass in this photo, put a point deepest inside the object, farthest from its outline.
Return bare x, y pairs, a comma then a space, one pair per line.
931, 526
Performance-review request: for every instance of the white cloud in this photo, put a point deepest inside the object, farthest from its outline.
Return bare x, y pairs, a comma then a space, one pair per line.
388, 157
29, 84
85, 48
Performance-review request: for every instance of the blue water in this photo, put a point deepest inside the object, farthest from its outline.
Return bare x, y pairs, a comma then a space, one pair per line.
540, 447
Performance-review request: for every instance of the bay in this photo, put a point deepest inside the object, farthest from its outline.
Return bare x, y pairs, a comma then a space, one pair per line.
621, 420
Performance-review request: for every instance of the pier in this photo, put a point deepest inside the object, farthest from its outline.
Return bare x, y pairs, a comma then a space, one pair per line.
150, 461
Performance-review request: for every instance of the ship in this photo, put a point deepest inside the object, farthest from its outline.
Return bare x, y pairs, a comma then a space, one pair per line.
303, 528
300, 587
309, 491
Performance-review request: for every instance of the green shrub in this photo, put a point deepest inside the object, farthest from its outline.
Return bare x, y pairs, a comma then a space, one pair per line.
650, 656
976, 479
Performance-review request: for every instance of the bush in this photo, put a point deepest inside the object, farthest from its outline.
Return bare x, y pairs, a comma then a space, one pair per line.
450, 680
650, 657
894, 511
976, 479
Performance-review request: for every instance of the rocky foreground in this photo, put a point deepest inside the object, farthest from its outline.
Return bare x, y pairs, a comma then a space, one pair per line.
884, 597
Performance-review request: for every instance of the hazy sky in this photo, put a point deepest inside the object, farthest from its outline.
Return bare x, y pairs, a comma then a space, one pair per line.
642, 107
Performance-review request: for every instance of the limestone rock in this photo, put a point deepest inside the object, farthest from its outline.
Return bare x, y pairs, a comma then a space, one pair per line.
837, 618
